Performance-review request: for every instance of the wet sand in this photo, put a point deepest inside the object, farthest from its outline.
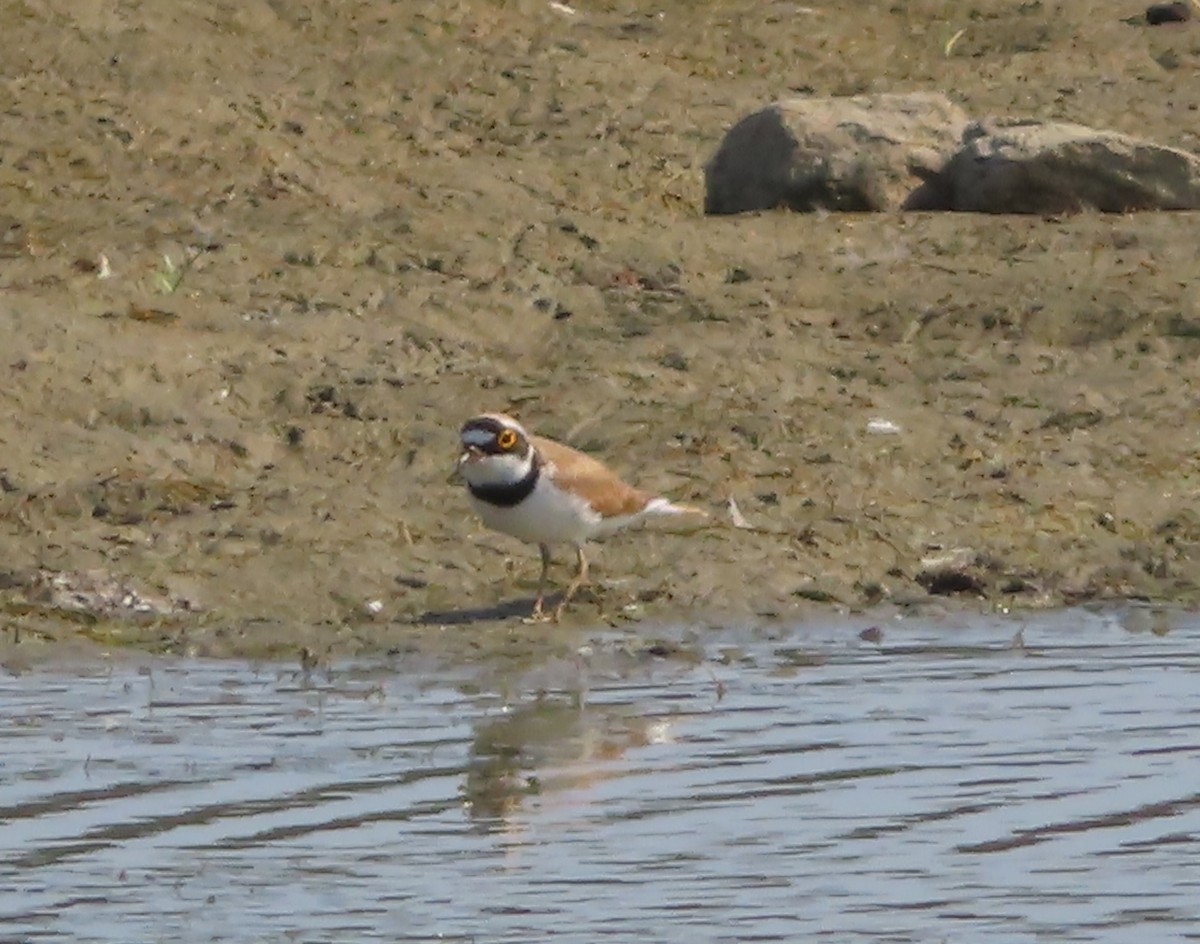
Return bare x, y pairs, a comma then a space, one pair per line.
383, 218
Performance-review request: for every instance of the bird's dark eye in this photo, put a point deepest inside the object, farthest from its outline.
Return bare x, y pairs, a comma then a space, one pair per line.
507, 439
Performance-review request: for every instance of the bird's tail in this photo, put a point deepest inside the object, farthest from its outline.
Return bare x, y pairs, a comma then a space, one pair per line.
660, 506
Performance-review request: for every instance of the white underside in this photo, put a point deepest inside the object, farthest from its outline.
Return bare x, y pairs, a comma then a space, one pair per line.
546, 516
552, 516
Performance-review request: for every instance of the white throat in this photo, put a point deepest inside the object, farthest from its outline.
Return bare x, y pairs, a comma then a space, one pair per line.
497, 470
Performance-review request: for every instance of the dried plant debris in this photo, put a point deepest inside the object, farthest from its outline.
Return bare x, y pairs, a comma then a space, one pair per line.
86, 596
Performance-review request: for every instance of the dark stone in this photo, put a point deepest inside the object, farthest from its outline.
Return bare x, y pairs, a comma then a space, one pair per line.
1158, 13
949, 582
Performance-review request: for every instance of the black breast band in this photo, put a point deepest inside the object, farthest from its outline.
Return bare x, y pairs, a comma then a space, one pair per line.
508, 495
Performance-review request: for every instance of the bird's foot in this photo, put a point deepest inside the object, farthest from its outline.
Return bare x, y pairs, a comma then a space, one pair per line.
539, 615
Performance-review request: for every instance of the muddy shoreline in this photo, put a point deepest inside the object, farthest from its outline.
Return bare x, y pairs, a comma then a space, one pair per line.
253, 283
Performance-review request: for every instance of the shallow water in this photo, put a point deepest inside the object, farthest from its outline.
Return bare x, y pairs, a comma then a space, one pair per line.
940, 784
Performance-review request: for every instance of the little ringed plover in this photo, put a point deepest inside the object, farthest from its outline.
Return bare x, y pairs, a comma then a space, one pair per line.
545, 493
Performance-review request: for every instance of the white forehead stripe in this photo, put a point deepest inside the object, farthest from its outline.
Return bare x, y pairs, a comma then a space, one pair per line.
477, 437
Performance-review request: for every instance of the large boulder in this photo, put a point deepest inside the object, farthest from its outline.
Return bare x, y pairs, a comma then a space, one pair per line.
1019, 166
868, 152
920, 152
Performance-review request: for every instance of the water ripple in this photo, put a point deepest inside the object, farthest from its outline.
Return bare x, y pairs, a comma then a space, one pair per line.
948, 783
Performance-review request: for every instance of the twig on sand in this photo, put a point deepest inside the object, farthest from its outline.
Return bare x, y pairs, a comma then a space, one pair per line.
949, 47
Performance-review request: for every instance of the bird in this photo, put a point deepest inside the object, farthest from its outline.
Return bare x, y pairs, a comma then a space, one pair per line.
546, 493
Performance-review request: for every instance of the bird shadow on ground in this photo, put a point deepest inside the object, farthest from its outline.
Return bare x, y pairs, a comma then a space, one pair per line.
511, 609
518, 609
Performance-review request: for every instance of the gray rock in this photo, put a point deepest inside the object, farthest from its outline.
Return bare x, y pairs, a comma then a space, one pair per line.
869, 152
919, 152
1020, 166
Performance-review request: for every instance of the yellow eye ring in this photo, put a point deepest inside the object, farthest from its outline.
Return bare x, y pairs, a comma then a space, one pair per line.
507, 439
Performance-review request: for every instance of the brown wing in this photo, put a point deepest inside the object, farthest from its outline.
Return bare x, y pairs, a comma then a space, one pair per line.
581, 473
